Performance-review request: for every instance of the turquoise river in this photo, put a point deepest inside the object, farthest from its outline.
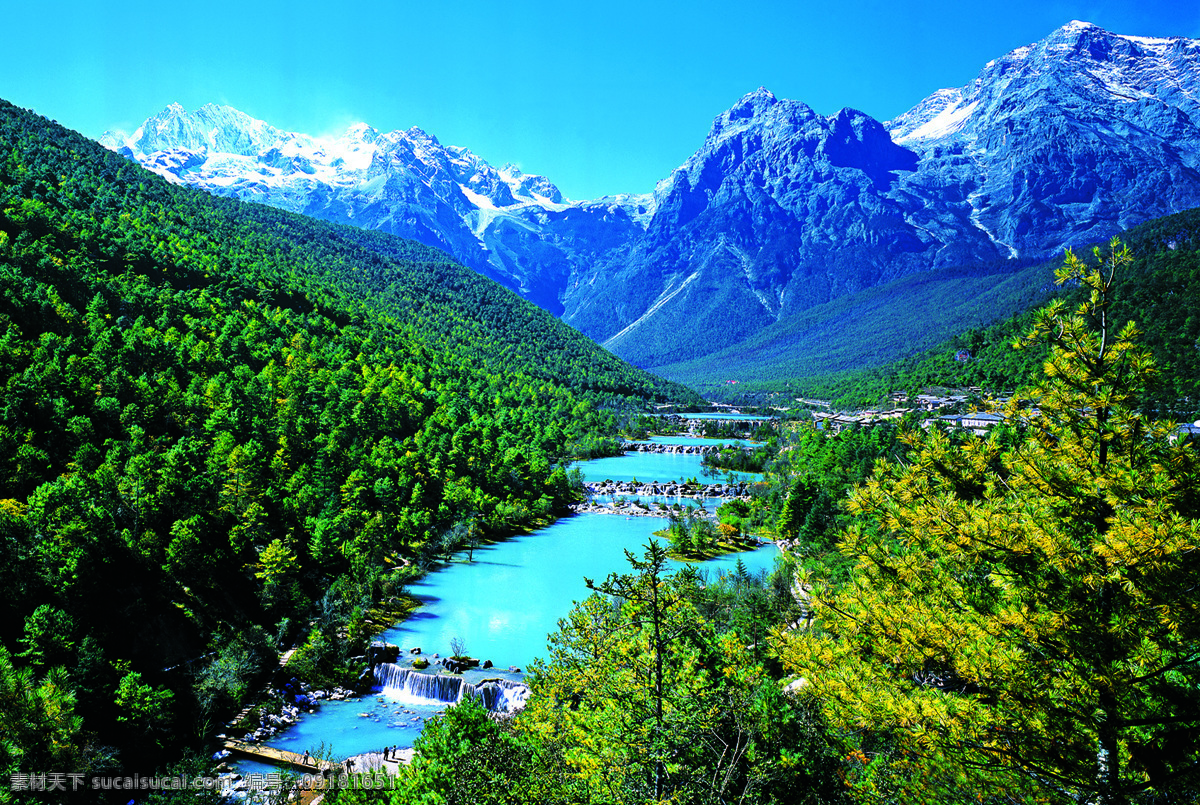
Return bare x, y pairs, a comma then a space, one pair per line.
504, 604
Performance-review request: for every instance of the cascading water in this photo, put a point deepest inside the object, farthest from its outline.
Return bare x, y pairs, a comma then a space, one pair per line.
410, 686
502, 605
502, 695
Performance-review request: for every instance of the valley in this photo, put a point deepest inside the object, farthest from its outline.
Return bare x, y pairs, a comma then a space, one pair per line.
852, 464
794, 243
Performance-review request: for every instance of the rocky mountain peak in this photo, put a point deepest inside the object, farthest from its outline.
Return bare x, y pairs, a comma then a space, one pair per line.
210, 128
420, 135
752, 103
752, 110
857, 140
1060, 142
526, 185
1080, 69
362, 133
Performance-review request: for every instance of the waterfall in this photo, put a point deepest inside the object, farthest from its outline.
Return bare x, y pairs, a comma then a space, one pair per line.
511, 696
413, 687
406, 683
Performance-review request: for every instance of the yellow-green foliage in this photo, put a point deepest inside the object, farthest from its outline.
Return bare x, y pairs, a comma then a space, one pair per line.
642, 701
1030, 607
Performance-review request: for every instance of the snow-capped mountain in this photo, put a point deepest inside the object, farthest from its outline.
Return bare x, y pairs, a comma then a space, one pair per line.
1062, 142
402, 182
1069, 139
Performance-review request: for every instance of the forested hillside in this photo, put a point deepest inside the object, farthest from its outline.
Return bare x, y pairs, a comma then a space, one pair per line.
1004, 619
869, 329
219, 420
1159, 292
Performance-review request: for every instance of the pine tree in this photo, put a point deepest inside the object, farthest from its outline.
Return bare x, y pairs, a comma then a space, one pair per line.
641, 701
1031, 607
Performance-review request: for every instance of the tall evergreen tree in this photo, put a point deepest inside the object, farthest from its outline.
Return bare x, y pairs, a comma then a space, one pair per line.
1031, 607
643, 702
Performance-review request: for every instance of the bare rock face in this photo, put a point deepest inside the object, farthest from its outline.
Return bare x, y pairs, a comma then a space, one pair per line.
1059, 143
382, 652
1067, 140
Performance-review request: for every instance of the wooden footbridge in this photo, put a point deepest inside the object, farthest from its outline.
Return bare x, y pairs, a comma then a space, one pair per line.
281, 757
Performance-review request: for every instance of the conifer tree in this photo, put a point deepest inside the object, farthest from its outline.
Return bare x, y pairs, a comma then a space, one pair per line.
1031, 607
641, 701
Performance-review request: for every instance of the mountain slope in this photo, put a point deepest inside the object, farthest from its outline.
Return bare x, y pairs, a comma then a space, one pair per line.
1071, 139
224, 427
1159, 291
781, 210
1063, 142
502, 223
869, 328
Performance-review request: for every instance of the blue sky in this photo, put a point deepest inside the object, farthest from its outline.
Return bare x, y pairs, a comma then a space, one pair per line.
600, 97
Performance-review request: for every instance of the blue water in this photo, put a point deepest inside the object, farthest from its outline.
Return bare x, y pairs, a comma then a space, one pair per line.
643, 467
352, 727
646, 467
504, 604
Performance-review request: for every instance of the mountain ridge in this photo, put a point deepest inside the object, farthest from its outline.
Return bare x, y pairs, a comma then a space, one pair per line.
1064, 141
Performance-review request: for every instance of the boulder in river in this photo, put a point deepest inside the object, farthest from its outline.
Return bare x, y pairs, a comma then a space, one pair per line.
382, 652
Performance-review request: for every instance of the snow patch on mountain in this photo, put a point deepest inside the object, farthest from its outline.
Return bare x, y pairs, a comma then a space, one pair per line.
946, 122
216, 146
1060, 142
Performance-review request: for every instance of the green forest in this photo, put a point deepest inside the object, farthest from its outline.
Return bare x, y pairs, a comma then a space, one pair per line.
227, 430
1157, 291
870, 328
1006, 619
220, 422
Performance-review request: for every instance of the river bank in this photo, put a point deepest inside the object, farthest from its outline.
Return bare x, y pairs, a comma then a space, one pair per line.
501, 606
502, 598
